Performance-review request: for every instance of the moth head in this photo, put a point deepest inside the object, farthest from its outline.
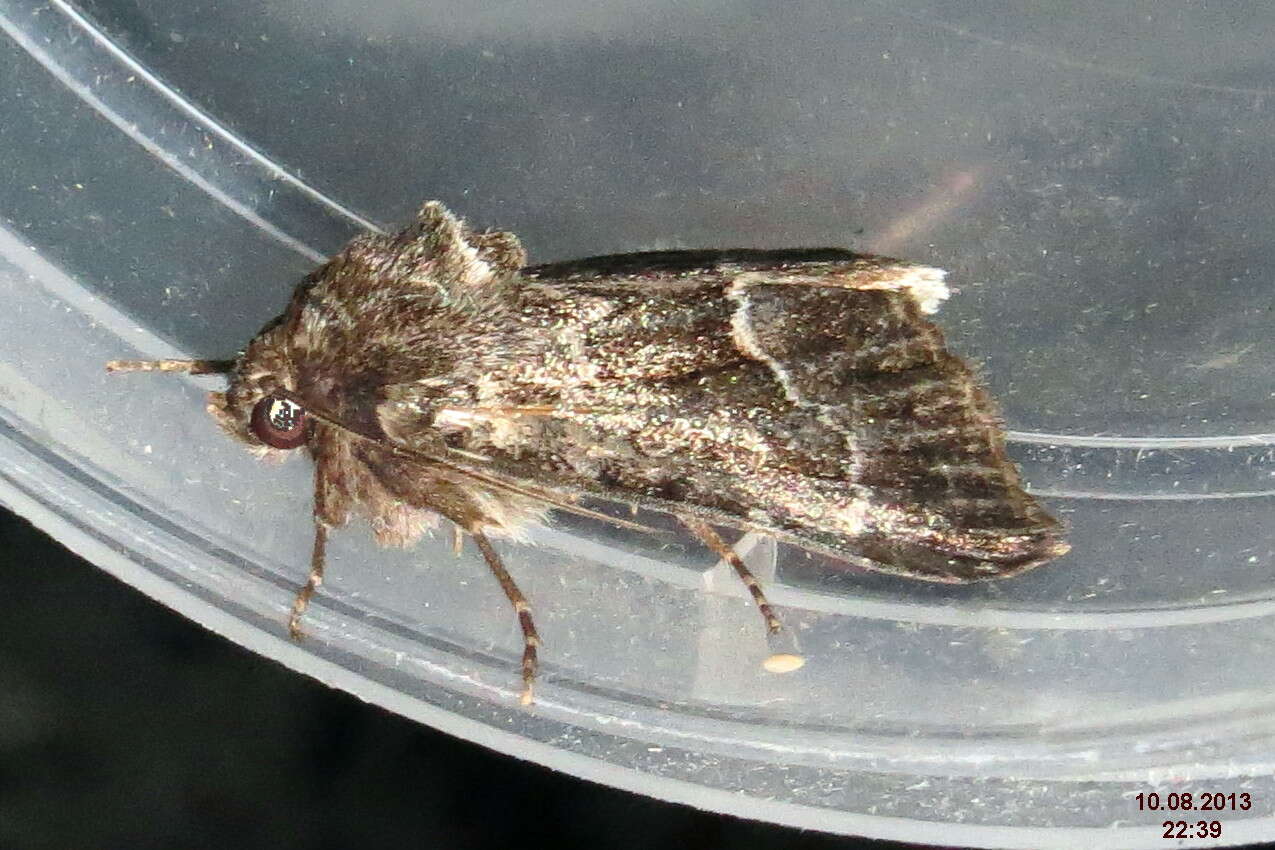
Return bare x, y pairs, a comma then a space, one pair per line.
256, 409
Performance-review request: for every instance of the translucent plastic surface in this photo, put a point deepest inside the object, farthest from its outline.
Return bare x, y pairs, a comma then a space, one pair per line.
1097, 181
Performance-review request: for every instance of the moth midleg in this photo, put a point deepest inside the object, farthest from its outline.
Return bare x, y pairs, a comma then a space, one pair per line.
785, 656
530, 638
193, 367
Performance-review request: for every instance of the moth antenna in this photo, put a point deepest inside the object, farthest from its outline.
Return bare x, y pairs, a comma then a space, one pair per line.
530, 638
193, 367
784, 657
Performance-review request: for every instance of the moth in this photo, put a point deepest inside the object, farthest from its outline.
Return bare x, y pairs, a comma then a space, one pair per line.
799, 393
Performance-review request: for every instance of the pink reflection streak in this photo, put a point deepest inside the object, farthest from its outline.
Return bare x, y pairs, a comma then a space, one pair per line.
945, 199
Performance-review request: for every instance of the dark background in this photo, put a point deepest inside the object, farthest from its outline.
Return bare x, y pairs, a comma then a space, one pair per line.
124, 725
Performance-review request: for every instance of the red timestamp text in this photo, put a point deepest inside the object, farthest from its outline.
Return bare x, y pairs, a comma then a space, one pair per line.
1187, 829
1200, 801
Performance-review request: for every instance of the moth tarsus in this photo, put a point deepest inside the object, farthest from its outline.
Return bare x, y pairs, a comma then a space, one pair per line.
797, 393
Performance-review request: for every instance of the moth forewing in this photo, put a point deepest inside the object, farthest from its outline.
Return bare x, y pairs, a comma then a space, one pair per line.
799, 393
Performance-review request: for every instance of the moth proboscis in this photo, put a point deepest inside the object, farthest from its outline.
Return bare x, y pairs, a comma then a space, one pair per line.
797, 393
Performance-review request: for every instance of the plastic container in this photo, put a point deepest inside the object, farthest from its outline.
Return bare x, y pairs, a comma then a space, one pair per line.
1098, 184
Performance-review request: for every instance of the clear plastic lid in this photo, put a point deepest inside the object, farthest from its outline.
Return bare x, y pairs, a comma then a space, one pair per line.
1095, 182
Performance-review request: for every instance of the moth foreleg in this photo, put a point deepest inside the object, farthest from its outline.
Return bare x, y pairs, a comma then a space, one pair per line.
322, 522
317, 557
784, 657
530, 638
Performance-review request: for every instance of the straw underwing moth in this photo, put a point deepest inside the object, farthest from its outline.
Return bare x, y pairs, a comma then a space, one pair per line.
799, 393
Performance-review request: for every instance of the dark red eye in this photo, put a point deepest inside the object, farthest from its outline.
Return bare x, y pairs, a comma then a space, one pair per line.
278, 422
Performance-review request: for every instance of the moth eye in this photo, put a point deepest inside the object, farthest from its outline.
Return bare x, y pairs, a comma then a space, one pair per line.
278, 422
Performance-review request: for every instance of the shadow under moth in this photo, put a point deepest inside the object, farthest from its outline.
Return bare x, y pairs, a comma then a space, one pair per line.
799, 393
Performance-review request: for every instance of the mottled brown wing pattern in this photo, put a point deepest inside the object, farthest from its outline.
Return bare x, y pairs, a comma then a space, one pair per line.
941, 499
823, 407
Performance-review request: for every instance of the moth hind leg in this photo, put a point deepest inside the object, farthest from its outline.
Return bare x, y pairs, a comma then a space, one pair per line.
784, 657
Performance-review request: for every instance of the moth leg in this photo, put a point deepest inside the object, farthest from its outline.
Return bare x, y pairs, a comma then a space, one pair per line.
785, 657
714, 541
458, 541
530, 638
312, 583
318, 553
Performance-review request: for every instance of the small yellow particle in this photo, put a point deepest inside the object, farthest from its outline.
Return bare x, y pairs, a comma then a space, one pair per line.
783, 662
